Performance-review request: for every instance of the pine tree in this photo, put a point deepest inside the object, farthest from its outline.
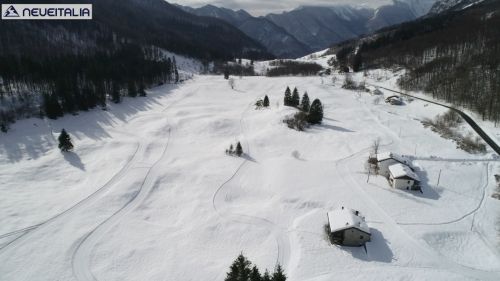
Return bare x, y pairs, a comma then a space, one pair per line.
115, 93
226, 73
266, 276
255, 274
65, 141
132, 90
295, 101
288, 97
232, 275
278, 274
305, 104
142, 92
239, 149
315, 112
51, 106
266, 101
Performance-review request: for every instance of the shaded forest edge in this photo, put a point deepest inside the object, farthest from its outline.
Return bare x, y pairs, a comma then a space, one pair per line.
49, 68
454, 56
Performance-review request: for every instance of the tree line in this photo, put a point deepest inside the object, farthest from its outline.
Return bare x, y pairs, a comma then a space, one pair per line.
243, 270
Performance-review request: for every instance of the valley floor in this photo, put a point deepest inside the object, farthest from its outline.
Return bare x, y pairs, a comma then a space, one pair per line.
149, 194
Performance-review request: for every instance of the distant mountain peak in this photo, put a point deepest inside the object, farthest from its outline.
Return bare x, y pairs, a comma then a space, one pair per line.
452, 5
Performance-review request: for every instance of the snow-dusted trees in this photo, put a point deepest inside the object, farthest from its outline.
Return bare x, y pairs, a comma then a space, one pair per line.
242, 270
295, 101
266, 101
288, 97
316, 112
239, 149
305, 104
65, 141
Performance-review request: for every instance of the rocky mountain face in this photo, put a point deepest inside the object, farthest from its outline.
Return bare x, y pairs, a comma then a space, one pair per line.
452, 5
311, 28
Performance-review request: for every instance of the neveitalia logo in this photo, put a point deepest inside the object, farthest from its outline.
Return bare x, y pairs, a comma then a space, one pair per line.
46, 11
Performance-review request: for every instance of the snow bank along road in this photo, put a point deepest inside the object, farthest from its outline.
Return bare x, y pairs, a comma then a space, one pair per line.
152, 194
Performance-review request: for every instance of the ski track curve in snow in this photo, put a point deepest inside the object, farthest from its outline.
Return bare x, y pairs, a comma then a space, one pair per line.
81, 256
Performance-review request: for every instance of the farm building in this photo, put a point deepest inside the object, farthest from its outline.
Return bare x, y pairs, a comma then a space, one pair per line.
403, 177
347, 227
386, 159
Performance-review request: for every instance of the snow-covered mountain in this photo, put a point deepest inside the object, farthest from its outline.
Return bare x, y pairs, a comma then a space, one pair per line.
449, 5
312, 28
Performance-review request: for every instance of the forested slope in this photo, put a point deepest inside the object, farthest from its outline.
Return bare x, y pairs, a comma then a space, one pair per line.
455, 56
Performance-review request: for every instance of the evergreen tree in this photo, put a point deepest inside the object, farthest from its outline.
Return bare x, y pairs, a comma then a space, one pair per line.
266, 276
232, 275
239, 149
65, 141
51, 106
305, 104
115, 93
278, 274
142, 92
255, 274
266, 101
132, 90
226, 73
176, 71
315, 112
295, 101
288, 97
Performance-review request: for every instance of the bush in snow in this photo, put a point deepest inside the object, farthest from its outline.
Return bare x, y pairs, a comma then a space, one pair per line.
297, 122
65, 141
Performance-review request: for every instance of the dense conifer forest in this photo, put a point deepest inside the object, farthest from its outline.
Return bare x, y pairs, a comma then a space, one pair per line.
49, 68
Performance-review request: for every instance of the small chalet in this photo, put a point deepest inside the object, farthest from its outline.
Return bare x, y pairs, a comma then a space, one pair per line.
403, 177
394, 100
347, 227
386, 159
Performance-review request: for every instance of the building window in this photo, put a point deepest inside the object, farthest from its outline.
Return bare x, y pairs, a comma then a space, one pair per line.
361, 237
408, 182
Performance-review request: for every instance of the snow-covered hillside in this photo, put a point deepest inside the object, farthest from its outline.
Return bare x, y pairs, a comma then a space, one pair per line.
149, 194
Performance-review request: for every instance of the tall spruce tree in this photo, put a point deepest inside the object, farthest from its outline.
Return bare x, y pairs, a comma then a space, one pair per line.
132, 90
295, 101
232, 275
315, 112
278, 274
288, 97
65, 141
142, 92
115, 93
239, 149
266, 101
305, 104
266, 276
255, 274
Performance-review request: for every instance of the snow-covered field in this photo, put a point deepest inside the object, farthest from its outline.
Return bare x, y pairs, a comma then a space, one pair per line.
149, 194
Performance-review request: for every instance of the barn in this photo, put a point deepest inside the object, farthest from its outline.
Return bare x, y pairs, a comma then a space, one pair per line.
347, 227
403, 177
386, 159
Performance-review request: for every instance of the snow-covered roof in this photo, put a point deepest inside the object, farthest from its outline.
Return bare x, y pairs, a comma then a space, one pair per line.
389, 155
344, 218
401, 171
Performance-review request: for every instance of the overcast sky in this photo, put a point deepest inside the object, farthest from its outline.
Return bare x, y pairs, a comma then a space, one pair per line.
262, 7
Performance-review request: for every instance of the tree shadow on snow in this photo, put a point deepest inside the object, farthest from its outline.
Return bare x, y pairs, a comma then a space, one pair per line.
74, 160
377, 250
335, 128
36, 136
248, 157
